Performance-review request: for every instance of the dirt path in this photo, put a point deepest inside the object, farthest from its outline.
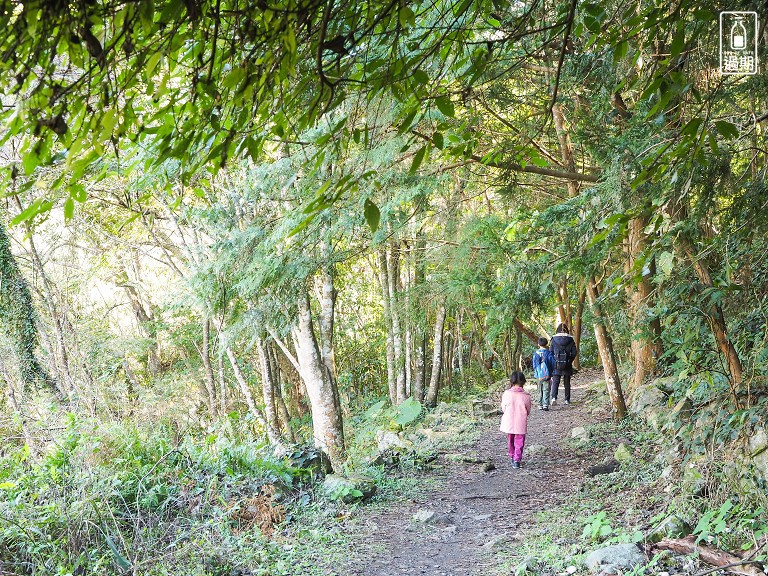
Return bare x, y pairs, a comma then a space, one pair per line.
475, 510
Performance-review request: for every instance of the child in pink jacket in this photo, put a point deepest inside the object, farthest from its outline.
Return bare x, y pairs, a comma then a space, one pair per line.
516, 405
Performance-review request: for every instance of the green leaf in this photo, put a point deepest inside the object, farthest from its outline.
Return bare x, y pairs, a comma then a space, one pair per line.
7, 485
372, 215
408, 411
418, 159
77, 191
445, 106
420, 76
38, 206
665, 260
303, 224
69, 209
620, 51
437, 140
119, 559
375, 410
407, 121
726, 129
678, 42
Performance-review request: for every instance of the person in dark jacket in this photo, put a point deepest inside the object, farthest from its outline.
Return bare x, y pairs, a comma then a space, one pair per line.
564, 351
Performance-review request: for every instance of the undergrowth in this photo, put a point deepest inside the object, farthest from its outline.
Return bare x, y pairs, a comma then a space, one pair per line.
155, 499
628, 504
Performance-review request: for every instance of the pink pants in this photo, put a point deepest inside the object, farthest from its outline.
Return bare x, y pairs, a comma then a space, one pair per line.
515, 442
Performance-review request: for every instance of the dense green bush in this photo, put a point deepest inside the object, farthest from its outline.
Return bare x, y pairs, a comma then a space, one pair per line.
104, 497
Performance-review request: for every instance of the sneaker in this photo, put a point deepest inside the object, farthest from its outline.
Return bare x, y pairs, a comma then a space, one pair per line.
567, 402
546, 408
515, 464
553, 402
542, 408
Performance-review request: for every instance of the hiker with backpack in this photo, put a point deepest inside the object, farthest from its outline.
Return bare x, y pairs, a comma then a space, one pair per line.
564, 352
543, 367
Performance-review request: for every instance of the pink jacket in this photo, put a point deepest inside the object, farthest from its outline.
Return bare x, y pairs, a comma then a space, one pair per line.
516, 405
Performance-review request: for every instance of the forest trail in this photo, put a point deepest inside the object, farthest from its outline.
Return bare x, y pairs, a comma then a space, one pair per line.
475, 510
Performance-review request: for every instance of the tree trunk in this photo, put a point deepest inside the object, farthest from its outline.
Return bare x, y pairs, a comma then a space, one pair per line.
58, 318
719, 327
459, 346
268, 394
210, 378
393, 275
17, 316
577, 325
247, 394
132, 385
481, 350
390, 345
297, 383
517, 360
566, 148
718, 558
325, 321
564, 305
282, 408
16, 401
646, 336
437, 357
419, 320
327, 424
607, 355
222, 388
530, 334
144, 320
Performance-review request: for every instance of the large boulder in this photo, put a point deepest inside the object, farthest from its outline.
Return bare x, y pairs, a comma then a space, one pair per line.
389, 441
615, 559
650, 402
758, 452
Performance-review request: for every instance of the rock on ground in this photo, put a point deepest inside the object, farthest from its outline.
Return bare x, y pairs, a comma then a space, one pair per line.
613, 559
580, 433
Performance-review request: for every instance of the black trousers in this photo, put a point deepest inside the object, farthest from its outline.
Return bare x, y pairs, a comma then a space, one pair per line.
566, 385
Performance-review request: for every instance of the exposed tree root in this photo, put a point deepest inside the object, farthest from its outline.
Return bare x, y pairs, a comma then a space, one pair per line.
723, 560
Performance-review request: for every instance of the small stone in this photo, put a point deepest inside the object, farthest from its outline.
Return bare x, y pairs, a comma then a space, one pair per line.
614, 559
580, 433
424, 516
442, 520
670, 527
603, 468
495, 543
571, 570
622, 453
488, 466
481, 517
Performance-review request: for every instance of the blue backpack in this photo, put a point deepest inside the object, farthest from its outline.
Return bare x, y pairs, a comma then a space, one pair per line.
542, 370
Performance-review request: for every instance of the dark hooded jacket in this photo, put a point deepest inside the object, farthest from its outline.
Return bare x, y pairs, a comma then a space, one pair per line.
561, 341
